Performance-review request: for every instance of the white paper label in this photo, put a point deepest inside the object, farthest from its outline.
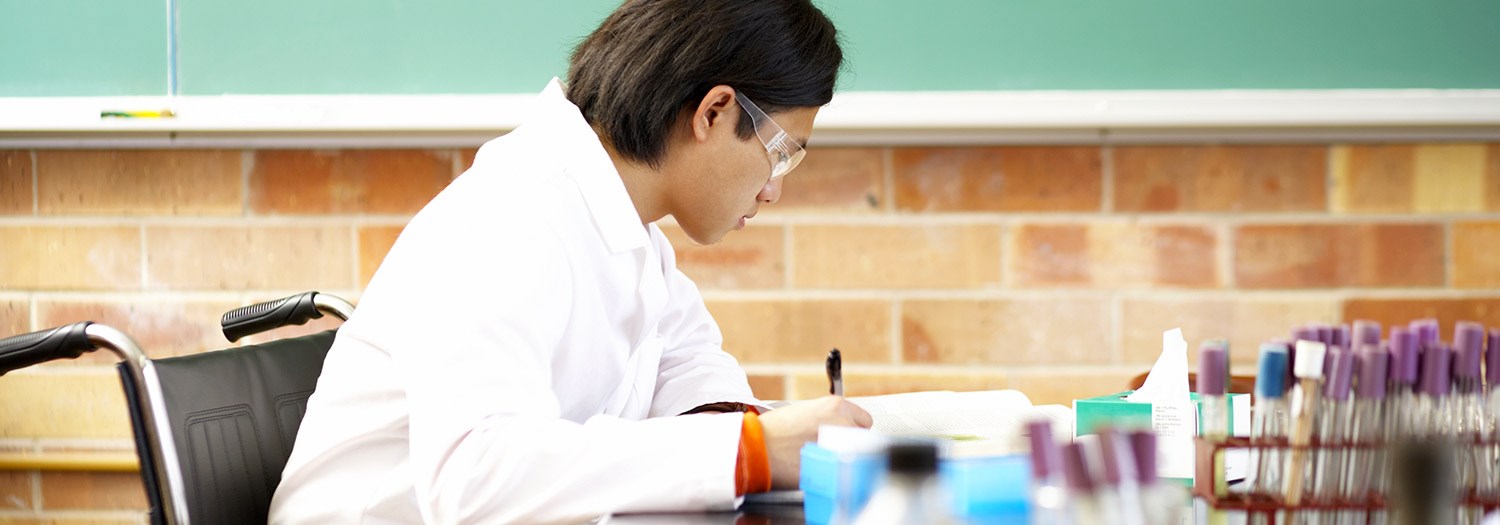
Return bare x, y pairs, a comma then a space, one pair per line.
1175, 425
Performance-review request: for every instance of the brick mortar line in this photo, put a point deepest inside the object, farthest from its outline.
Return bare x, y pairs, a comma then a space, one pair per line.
888, 174
77, 513
207, 295
1117, 329
149, 295
208, 220
1450, 258
145, 281
895, 332
36, 491
1334, 294
988, 218
1330, 180
792, 369
36, 186
89, 444
247, 164
1107, 173
1196, 219
354, 256
788, 255
1224, 253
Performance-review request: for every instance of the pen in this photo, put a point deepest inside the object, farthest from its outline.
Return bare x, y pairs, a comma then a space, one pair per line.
835, 368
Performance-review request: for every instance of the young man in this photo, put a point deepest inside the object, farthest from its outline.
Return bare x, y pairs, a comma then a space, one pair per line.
528, 350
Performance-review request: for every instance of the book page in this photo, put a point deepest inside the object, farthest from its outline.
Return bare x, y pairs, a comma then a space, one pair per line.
975, 423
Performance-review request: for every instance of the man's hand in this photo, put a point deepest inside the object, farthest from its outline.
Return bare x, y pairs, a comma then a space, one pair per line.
787, 428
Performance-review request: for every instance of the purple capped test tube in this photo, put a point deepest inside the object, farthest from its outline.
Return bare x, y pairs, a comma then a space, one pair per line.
1213, 383
1428, 332
1369, 424
1365, 333
1334, 424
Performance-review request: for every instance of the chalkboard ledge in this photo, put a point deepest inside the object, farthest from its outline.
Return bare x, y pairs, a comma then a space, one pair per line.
852, 118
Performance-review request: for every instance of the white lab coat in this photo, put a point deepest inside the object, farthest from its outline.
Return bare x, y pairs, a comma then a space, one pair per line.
518, 357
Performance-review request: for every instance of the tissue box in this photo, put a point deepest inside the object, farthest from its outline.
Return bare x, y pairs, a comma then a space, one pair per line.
1175, 428
990, 490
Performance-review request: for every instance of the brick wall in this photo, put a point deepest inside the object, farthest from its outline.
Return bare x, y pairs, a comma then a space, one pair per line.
1047, 269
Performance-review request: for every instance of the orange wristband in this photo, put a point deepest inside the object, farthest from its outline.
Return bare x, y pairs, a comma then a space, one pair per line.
752, 469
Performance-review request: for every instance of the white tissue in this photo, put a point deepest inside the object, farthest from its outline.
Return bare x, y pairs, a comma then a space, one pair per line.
1167, 382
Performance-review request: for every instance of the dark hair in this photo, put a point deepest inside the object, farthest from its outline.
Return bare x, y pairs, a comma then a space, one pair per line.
635, 74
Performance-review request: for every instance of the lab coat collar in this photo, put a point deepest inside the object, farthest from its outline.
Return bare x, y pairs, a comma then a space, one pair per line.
585, 160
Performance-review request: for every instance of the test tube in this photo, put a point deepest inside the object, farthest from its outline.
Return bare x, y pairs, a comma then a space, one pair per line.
1082, 502
1047, 493
1432, 415
1162, 502
1365, 465
1489, 473
1306, 399
1401, 391
1121, 493
1334, 423
1467, 408
1269, 425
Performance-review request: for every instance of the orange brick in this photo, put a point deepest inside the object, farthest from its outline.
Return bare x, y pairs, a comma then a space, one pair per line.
374, 243
1062, 387
1335, 255
16, 490
751, 258
51, 519
93, 491
1113, 255
1492, 177
16, 182
1245, 323
769, 388
1392, 312
1416, 178
1038, 179
235, 258
70, 257
162, 328
77, 403
1220, 178
467, 157
15, 317
1006, 332
918, 256
139, 182
802, 331
1475, 262
844, 180
347, 181
862, 384
1373, 178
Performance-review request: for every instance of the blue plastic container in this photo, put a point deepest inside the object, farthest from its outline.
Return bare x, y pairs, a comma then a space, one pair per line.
990, 490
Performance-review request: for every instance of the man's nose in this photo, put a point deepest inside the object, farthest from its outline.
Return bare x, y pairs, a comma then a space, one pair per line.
771, 192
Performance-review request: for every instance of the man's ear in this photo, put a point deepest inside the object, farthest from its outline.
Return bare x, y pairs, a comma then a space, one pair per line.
718, 108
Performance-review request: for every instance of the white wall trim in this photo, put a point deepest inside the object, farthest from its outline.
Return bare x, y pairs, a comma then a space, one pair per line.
852, 118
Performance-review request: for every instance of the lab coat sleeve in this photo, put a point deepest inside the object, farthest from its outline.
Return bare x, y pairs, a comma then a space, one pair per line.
474, 339
695, 370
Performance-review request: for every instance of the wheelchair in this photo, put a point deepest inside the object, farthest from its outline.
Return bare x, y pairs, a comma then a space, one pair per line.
213, 430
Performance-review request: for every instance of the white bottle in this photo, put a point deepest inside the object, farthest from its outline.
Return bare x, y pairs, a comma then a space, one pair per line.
911, 494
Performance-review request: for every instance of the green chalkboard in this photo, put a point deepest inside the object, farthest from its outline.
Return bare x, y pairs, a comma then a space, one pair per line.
512, 46
78, 47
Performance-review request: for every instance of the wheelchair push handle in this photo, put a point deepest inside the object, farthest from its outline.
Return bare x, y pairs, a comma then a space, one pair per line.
257, 318
61, 342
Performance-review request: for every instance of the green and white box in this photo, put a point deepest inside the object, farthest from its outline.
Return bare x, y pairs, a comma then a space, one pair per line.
1175, 425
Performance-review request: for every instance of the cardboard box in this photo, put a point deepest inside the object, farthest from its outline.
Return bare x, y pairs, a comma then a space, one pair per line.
1175, 427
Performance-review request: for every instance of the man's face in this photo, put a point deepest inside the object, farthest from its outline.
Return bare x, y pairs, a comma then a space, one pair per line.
722, 181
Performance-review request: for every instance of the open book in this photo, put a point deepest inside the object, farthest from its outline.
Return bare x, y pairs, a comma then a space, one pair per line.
972, 423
